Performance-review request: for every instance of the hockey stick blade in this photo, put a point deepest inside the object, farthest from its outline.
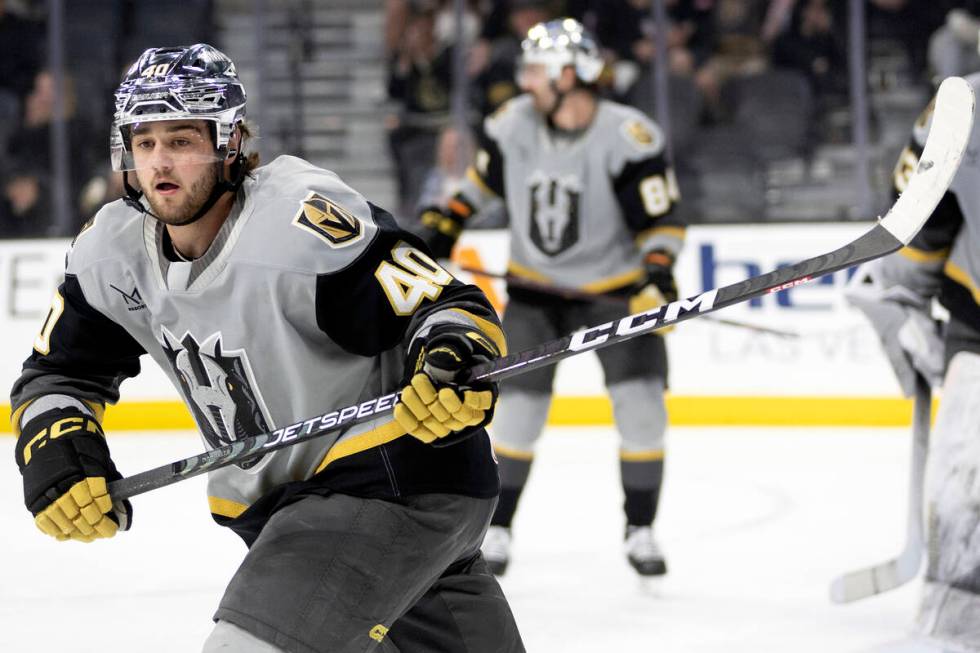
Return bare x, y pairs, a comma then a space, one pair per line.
944, 148
888, 575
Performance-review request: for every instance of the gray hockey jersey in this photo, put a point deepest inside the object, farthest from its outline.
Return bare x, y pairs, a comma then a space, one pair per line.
309, 298
585, 207
943, 260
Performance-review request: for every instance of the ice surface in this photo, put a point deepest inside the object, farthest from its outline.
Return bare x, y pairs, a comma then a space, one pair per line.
755, 523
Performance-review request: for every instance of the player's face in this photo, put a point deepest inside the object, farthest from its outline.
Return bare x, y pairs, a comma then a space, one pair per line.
176, 165
534, 79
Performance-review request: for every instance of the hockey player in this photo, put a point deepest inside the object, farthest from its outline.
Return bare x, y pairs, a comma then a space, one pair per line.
896, 293
590, 197
267, 295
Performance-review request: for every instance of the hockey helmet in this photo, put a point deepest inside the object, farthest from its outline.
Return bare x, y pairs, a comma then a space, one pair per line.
560, 43
196, 82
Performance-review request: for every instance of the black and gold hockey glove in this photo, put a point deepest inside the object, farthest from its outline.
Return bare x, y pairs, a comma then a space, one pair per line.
432, 406
658, 287
441, 231
443, 225
64, 459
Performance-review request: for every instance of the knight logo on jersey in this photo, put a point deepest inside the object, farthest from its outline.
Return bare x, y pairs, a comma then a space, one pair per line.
328, 221
642, 136
219, 389
554, 212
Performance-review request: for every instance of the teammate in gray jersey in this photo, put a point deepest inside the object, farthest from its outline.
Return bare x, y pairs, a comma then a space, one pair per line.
269, 294
590, 197
941, 262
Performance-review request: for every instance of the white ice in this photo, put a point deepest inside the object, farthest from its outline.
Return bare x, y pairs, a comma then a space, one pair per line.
755, 523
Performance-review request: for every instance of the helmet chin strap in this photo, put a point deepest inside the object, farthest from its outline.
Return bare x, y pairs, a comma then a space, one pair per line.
559, 100
223, 186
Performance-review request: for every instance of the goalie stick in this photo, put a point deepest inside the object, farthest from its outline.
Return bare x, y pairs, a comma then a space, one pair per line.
951, 127
585, 296
862, 583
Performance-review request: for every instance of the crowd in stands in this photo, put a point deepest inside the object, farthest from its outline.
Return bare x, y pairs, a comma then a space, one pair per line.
756, 74
727, 61
95, 56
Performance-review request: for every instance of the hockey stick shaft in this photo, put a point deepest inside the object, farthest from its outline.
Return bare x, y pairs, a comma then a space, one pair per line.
939, 161
582, 295
888, 575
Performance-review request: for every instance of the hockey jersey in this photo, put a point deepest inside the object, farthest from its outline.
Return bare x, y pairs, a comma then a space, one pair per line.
307, 299
583, 207
943, 259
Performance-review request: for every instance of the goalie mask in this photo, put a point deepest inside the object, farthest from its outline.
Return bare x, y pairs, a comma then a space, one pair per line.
194, 82
560, 43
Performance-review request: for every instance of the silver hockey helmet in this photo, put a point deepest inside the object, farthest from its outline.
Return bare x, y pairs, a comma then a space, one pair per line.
196, 82
560, 43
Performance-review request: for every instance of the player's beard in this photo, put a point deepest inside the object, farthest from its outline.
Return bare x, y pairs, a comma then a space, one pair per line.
545, 105
196, 195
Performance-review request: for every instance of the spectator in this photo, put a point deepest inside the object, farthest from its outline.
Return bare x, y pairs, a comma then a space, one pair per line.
496, 82
446, 30
953, 47
738, 50
24, 205
452, 153
813, 44
629, 28
20, 59
420, 81
30, 146
908, 22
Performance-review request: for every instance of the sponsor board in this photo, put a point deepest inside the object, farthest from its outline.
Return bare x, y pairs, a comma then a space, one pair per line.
836, 356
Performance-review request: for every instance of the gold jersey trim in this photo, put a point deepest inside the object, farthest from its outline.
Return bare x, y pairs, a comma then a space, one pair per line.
475, 177
641, 456
612, 283
674, 232
226, 507
921, 256
960, 276
489, 329
362, 442
519, 270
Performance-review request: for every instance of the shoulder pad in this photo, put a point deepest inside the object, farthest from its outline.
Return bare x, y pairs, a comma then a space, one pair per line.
306, 217
114, 232
640, 135
508, 123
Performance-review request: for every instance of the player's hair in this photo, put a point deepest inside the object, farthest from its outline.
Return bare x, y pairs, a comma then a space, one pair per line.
250, 160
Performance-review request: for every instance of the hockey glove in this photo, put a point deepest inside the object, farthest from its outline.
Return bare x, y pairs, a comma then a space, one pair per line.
64, 459
911, 338
442, 229
658, 287
432, 407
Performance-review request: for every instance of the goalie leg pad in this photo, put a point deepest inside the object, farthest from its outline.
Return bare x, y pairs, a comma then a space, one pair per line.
950, 615
953, 479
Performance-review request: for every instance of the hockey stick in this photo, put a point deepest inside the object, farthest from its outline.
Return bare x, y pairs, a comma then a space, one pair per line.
888, 575
952, 124
585, 296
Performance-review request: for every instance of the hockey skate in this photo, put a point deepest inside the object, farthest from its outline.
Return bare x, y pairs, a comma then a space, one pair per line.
496, 549
643, 552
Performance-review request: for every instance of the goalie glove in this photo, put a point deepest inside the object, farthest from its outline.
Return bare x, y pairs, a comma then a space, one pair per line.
912, 339
432, 406
658, 286
64, 459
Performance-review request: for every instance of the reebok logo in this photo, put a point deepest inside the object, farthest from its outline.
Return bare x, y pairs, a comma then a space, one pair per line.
133, 300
